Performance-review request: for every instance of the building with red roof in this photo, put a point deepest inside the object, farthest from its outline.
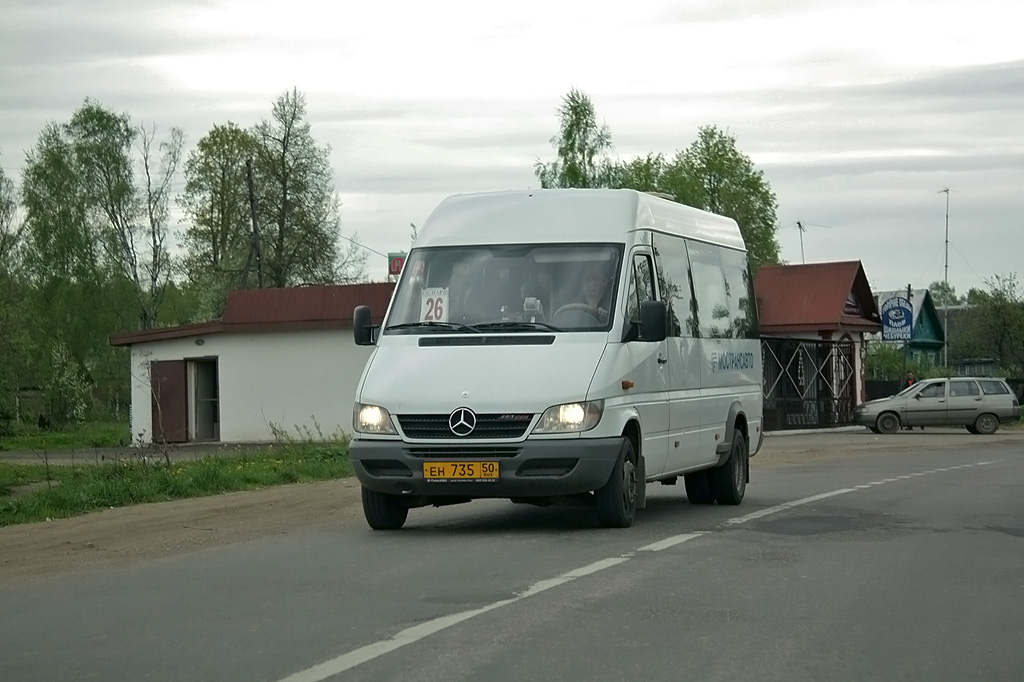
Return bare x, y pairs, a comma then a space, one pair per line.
813, 320
276, 359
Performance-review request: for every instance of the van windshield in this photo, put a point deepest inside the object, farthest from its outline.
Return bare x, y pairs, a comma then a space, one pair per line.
507, 288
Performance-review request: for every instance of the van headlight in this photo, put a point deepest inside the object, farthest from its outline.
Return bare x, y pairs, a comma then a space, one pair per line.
570, 417
372, 419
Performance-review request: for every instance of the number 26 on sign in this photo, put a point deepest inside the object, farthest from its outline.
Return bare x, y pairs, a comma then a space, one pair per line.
434, 305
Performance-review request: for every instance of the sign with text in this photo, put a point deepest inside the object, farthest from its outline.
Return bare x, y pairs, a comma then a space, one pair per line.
434, 305
897, 319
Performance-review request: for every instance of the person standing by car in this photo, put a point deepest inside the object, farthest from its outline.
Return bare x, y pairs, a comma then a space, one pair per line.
909, 380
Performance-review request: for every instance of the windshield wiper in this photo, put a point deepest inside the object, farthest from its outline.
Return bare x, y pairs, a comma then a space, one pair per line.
516, 325
432, 324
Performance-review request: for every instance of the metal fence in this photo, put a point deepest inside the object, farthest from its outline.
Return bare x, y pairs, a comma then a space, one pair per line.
808, 384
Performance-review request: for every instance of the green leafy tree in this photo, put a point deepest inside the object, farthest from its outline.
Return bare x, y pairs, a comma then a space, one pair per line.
944, 294
884, 360
85, 250
644, 173
218, 243
299, 212
14, 340
129, 220
999, 320
712, 174
582, 147
66, 391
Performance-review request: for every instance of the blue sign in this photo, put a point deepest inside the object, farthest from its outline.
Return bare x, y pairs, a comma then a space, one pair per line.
897, 319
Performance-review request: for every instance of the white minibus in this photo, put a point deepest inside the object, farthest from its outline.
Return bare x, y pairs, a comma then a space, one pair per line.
561, 346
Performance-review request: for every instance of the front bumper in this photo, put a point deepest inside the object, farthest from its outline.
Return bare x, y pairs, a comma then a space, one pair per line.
865, 418
531, 468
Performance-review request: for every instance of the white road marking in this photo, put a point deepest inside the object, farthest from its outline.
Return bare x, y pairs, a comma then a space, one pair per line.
413, 634
761, 513
669, 542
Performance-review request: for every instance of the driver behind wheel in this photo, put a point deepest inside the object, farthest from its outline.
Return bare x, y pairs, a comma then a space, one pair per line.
591, 297
595, 290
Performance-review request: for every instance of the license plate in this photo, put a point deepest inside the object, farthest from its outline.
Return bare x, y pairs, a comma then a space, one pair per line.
460, 471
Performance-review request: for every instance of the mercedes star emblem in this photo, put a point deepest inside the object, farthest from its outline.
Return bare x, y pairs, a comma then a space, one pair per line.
462, 421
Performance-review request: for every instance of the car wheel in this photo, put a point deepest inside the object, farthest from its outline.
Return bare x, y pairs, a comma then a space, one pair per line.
873, 429
383, 511
698, 488
986, 424
888, 422
616, 500
970, 428
729, 481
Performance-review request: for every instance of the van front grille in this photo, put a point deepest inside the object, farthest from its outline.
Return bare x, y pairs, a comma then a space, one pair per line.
487, 426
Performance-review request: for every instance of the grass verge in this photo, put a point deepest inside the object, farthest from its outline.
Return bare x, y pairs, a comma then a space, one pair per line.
88, 435
78, 489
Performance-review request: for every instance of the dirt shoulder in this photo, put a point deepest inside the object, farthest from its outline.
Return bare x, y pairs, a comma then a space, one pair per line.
125, 535
116, 537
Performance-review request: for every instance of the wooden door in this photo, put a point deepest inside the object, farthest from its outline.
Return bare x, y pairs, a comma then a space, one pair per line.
169, 387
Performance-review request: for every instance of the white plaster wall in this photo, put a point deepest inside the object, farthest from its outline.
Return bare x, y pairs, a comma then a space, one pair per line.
294, 380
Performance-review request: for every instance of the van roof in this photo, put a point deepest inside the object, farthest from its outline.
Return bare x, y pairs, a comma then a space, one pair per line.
567, 216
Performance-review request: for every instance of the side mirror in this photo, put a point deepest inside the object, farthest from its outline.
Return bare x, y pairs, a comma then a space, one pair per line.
361, 327
653, 321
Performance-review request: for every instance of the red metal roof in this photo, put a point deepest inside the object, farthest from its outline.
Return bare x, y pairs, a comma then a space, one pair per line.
306, 304
815, 297
284, 309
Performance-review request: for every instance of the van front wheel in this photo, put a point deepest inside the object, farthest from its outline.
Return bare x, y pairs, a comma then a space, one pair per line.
616, 500
383, 511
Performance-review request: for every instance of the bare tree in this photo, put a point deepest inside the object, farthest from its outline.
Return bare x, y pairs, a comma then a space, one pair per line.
157, 267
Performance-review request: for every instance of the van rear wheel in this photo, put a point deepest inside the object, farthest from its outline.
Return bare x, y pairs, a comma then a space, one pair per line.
729, 481
616, 500
383, 511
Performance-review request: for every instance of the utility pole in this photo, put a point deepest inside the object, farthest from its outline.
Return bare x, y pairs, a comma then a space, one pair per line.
945, 298
255, 225
906, 343
800, 228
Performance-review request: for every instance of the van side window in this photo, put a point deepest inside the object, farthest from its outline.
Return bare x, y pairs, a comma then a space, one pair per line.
674, 282
740, 290
709, 289
962, 388
641, 286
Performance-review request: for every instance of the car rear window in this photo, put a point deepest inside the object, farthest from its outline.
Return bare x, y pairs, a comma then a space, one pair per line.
994, 387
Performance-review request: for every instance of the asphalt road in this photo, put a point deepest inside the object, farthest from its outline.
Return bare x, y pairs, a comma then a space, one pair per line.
899, 560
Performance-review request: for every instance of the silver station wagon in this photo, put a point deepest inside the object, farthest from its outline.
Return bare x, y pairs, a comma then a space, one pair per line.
978, 403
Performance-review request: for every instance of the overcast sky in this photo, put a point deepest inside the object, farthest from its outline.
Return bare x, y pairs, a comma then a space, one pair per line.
858, 112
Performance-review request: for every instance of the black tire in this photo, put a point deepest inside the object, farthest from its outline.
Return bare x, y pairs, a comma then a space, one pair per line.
888, 422
698, 488
729, 481
615, 502
986, 424
873, 429
970, 429
383, 511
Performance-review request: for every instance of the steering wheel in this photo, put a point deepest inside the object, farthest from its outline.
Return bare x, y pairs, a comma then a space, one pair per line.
596, 313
